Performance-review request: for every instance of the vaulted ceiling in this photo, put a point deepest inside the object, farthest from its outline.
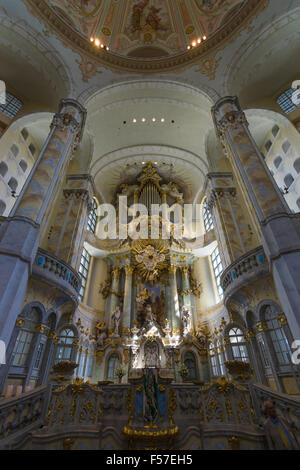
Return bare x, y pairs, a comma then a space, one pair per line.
148, 72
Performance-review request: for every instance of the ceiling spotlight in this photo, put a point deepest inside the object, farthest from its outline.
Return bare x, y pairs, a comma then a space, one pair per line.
199, 41
194, 43
107, 48
143, 163
134, 120
153, 119
144, 120
188, 47
162, 120
97, 42
102, 45
92, 39
204, 37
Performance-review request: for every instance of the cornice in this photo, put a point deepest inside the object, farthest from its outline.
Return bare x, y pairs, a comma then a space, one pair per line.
203, 56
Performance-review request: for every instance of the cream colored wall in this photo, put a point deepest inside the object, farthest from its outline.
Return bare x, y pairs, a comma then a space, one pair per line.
202, 271
9, 139
286, 167
98, 273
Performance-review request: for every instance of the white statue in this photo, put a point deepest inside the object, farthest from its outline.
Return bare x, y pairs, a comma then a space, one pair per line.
101, 337
148, 314
116, 317
186, 319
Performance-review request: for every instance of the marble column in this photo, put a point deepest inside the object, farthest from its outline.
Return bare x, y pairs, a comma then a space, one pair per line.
20, 233
176, 321
280, 229
127, 300
114, 298
67, 236
231, 227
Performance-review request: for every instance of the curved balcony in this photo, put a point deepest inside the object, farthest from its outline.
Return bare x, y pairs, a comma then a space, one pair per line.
54, 271
250, 267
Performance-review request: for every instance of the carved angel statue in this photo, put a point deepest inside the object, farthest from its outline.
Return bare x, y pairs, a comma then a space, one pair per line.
116, 317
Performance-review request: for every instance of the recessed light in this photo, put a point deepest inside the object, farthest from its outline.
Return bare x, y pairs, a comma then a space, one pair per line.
97, 42
153, 119
204, 37
134, 120
143, 119
92, 39
162, 120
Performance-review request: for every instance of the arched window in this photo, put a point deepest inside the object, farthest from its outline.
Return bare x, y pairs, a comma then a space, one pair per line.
13, 184
218, 269
288, 180
213, 360
221, 355
2, 207
112, 365
12, 105
90, 361
207, 218
238, 345
278, 338
84, 271
65, 345
25, 338
297, 165
23, 165
285, 101
190, 362
215, 256
277, 162
3, 169
92, 219
82, 356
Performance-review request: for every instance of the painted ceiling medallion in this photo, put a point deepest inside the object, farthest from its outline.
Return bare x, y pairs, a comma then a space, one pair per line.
147, 36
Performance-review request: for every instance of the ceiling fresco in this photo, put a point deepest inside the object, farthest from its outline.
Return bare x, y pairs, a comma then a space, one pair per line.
145, 28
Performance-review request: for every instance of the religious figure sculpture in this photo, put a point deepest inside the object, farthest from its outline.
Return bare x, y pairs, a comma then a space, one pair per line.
151, 355
116, 317
101, 334
186, 320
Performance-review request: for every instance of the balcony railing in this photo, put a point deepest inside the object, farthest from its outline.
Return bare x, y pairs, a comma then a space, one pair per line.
56, 272
22, 414
249, 267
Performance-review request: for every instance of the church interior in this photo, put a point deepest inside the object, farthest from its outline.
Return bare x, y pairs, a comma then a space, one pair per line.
122, 328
